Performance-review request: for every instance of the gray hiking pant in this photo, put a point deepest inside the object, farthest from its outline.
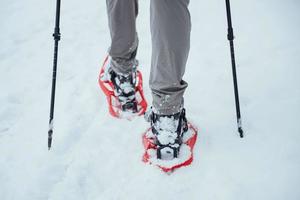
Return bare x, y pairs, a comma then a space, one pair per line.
170, 31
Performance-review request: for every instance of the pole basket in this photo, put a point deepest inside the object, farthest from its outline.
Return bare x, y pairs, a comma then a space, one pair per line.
114, 106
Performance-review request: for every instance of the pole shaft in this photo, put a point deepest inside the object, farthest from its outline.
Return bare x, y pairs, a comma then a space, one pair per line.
56, 36
230, 37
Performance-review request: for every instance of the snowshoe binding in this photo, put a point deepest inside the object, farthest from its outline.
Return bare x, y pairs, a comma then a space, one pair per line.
124, 92
169, 142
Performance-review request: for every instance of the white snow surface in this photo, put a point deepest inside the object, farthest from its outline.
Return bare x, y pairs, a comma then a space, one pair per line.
97, 157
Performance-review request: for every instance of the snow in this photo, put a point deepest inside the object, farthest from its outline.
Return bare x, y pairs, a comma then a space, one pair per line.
166, 128
96, 157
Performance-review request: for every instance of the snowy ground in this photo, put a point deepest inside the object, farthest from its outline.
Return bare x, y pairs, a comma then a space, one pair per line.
97, 157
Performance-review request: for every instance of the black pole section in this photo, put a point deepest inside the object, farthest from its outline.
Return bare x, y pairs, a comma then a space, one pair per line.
230, 37
56, 36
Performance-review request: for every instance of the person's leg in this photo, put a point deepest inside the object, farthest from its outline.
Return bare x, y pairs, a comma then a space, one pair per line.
124, 42
170, 29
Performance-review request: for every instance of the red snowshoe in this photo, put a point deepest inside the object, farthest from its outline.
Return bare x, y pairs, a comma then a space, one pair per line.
179, 156
116, 109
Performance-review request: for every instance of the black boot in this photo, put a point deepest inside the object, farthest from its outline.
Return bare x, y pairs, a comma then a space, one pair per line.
168, 131
124, 89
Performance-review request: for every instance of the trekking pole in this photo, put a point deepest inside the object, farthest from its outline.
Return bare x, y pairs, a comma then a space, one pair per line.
230, 37
56, 36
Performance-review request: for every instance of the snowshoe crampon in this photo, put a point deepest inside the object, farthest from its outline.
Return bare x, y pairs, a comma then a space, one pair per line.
115, 108
184, 157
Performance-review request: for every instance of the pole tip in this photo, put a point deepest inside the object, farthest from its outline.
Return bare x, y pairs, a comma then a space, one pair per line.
240, 130
49, 143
